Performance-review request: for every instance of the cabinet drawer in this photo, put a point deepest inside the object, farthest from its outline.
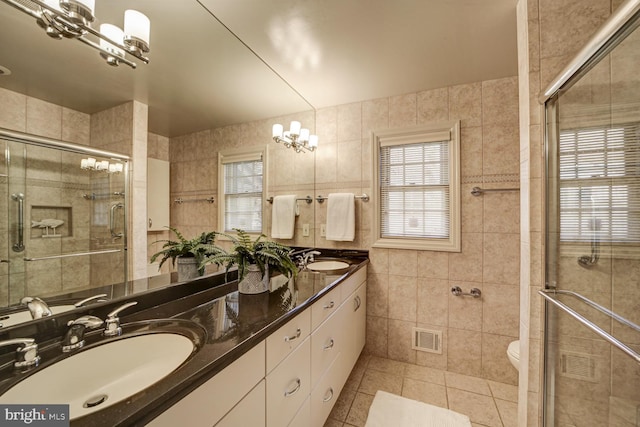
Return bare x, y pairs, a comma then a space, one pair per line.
326, 342
303, 417
288, 386
351, 283
207, 404
287, 338
324, 396
325, 307
250, 411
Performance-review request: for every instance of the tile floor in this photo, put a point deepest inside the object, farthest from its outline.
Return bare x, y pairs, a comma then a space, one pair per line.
486, 403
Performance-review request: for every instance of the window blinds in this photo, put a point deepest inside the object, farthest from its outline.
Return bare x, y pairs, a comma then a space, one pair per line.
600, 184
243, 193
414, 189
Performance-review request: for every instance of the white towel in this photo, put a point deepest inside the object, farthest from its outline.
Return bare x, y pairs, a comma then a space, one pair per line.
341, 217
392, 410
283, 217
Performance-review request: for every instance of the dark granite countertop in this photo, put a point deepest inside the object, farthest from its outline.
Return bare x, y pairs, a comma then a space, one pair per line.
232, 324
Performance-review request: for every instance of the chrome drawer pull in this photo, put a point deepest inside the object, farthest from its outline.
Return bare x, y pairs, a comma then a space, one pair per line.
330, 305
296, 336
358, 302
326, 399
295, 389
328, 346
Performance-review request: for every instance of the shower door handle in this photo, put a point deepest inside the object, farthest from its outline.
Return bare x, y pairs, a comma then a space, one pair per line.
19, 245
112, 220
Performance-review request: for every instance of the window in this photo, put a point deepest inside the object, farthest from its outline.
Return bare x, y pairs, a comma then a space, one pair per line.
599, 188
416, 178
241, 182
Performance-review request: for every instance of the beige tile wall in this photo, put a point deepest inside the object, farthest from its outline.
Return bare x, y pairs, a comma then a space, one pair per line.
412, 288
407, 288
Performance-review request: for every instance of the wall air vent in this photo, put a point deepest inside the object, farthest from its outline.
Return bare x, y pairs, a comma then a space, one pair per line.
427, 340
578, 366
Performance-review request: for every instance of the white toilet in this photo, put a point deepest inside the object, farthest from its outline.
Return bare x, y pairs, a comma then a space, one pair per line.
513, 353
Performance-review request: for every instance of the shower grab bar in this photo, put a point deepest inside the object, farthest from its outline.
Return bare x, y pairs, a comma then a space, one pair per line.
112, 220
477, 191
75, 254
19, 245
595, 328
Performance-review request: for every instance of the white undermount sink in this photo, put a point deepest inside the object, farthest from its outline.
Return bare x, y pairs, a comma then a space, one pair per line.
329, 267
98, 377
25, 315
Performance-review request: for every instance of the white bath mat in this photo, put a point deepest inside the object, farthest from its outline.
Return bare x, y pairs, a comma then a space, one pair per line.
390, 410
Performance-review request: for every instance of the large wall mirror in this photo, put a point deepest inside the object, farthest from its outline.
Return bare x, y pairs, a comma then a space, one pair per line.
200, 76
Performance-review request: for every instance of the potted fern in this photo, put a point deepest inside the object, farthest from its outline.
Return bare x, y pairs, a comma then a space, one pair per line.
254, 259
189, 253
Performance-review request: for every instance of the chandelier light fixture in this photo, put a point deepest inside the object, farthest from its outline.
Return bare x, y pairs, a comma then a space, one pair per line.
72, 19
296, 137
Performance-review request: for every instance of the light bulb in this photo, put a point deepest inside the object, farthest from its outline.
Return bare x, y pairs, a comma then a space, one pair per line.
277, 130
137, 25
304, 135
313, 141
294, 129
115, 34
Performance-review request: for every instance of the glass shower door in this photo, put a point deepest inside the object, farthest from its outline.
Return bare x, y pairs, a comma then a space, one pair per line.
65, 228
592, 325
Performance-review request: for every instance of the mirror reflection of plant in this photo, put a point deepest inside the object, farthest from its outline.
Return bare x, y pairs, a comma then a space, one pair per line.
246, 251
198, 247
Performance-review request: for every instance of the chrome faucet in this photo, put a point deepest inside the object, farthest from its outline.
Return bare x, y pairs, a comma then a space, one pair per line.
306, 258
112, 323
74, 338
37, 307
27, 352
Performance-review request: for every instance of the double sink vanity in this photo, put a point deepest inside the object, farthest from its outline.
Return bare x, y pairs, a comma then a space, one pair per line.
197, 352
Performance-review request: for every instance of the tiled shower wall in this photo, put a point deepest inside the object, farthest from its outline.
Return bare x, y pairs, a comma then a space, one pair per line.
406, 288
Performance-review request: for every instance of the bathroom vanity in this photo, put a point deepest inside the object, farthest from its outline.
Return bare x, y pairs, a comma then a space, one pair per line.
274, 359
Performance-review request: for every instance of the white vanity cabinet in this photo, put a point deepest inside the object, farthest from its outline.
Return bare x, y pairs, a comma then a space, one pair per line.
293, 377
207, 404
158, 204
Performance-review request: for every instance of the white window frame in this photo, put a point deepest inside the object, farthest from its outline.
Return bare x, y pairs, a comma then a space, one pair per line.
232, 156
435, 132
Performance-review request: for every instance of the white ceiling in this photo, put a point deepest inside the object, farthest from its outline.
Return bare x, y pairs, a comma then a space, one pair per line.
219, 62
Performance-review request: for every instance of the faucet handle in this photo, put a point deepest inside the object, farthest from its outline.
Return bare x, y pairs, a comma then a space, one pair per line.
75, 335
86, 300
112, 321
27, 352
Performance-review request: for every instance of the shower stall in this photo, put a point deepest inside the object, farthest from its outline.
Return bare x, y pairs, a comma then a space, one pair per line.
592, 295
64, 227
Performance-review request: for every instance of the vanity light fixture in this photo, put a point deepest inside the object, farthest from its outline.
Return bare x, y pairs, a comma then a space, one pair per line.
296, 137
72, 19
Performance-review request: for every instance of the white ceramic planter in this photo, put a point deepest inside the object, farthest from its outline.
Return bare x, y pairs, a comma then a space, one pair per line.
254, 282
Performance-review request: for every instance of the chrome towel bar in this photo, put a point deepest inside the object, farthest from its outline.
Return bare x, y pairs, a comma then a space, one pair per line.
180, 200
364, 198
477, 191
107, 251
547, 294
307, 199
